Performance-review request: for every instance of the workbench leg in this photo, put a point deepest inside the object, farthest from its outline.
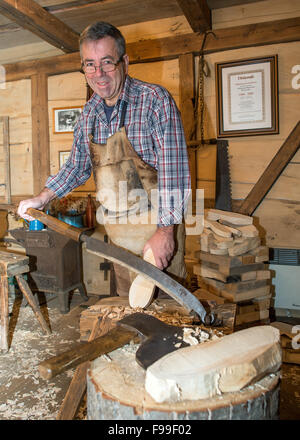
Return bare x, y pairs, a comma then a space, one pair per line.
25, 289
4, 321
82, 291
63, 300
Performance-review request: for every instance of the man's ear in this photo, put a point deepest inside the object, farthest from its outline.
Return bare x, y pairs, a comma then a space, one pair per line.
126, 62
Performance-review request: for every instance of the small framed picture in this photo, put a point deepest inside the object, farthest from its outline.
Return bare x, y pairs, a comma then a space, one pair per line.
247, 97
63, 157
65, 118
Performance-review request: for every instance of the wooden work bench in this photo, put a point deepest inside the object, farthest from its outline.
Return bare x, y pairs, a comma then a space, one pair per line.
15, 265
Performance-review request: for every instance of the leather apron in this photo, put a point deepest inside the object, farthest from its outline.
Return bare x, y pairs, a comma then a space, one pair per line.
126, 189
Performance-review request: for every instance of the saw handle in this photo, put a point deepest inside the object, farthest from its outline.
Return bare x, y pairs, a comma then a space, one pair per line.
55, 224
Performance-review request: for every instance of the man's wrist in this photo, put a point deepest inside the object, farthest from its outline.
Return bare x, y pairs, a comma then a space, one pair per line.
166, 229
46, 195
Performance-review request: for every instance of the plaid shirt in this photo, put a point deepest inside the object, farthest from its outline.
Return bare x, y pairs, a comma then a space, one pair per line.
154, 128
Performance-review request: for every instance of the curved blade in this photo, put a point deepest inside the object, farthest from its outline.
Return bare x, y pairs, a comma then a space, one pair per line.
161, 279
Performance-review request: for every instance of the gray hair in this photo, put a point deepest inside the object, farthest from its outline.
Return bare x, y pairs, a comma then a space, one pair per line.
101, 29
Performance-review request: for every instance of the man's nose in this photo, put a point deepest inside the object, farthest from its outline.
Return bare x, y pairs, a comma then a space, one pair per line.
99, 71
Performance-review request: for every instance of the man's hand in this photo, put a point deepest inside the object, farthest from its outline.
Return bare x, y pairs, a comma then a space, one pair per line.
162, 244
38, 202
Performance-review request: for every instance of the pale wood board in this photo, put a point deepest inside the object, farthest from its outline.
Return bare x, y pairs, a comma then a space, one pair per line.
232, 217
142, 290
224, 365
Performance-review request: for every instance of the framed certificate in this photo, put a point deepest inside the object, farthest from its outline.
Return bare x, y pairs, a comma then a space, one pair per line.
247, 97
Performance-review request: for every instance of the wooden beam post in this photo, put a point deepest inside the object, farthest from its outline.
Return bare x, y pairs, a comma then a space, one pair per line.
260, 34
197, 14
40, 131
6, 152
272, 172
33, 17
186, 104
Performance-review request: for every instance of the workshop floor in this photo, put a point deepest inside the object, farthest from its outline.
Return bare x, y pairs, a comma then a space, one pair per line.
24, 395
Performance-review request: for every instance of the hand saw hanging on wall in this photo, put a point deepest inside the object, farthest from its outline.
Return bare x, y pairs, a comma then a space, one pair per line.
223, 182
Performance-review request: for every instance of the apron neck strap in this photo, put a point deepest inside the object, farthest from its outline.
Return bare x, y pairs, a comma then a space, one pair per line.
122, 118
123, 112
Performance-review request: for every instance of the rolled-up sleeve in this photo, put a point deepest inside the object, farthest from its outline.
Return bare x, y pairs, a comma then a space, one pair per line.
77, 168
174, 183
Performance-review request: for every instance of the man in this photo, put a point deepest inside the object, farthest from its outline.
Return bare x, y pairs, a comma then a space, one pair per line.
125, 117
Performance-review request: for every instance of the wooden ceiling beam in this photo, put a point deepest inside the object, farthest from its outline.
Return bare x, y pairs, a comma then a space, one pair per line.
197, 14
275, 32
31, 16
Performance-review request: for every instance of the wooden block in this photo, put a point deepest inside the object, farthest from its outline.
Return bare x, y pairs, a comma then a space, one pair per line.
251, 317
248, 231
224, 244
218, 285
205, 284
239, 286
242, 286
218, 260
206, 239
248, 294
245, 307
204, 271
227, 265
256, 275
248, 259
220, 239
236, 360
291, 356
254, 305
262, 302
231, 217
248, 276
246, 246
215, 250
239, 270
261, 254
202, 294
217, 228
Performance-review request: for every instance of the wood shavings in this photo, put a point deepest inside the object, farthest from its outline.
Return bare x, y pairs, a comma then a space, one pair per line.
67, 204
197, 335
23, 394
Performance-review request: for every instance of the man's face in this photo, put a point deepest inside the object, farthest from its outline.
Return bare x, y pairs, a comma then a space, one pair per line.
107, 85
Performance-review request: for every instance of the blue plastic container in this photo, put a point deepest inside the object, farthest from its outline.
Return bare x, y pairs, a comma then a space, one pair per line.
36, 225
73, 220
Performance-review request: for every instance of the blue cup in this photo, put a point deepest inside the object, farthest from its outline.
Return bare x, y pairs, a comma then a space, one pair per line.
36, 225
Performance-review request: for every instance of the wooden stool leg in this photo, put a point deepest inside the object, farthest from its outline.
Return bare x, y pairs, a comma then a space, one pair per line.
29, 296
4, 313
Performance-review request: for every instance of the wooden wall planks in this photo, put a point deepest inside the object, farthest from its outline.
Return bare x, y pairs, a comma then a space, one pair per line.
249, 156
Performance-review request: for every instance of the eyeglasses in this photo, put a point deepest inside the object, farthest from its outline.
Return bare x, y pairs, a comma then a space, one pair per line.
106, 66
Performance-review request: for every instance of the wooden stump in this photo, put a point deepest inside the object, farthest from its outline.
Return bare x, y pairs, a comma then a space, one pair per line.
115, 391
